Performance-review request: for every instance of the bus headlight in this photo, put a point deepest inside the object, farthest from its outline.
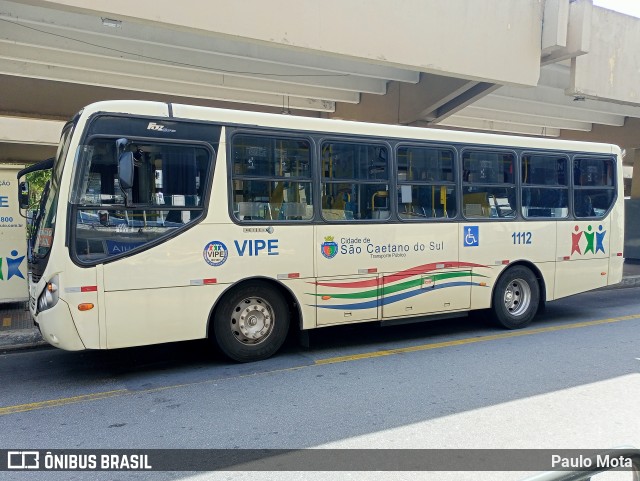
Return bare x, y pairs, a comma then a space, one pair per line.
49, 296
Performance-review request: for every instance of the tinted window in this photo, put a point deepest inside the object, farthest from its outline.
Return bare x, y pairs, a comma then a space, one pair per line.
488, 184
271, 178
594, 186
545, 191
426, 183
355, 181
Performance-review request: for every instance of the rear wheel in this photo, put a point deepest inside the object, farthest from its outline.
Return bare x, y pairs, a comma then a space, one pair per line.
516, 298
251, 322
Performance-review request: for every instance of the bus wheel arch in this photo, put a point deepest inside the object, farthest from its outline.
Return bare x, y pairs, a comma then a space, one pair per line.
269, 311
518, 295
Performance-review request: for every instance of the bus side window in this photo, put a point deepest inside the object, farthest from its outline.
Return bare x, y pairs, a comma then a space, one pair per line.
594, 186
426, 187
488, 184
167, 194
271, 178
355, 181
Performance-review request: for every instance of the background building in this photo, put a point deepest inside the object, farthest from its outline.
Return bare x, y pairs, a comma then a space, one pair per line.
555, 68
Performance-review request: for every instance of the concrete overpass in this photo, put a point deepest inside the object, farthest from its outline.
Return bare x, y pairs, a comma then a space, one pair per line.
556, 68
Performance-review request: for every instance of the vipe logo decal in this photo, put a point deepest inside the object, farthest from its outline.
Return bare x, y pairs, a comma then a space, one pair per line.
158, 127
215, 253
329, 248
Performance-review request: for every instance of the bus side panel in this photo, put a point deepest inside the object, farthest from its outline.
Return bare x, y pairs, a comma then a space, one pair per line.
79, 286
616, 243
160, 295
389, 270
583, 256
342, 300
548, 271
445, 290
165, 283
152, 316
302, 290
493, 246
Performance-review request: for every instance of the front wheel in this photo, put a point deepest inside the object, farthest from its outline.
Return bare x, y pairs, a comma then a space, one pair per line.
516, 298
251, 322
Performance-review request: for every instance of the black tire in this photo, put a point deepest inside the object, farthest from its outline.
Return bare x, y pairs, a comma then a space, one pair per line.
516, 298
251, 322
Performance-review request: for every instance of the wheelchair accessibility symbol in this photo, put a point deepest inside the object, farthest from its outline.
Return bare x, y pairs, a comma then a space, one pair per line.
471, 236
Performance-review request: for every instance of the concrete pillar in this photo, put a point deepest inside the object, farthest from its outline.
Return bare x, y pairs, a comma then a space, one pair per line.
634, 156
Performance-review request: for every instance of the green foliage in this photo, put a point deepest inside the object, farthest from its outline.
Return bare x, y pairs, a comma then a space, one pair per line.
37, 180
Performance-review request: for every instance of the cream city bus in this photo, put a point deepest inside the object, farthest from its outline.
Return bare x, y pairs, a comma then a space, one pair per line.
167, 222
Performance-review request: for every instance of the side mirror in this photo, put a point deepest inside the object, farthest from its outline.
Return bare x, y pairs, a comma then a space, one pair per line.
125, 170
23, 195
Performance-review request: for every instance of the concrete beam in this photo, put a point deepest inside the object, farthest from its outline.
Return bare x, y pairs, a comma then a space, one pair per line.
463, 100
578, 40
626, 136
554, 26
422, 100
71, 45
524, 119
30, 131
433, 98
25, 153
453, 43
381, 109
610, 71
548, 109
551, 96
159, 86
492, 126
150, 40
135, 69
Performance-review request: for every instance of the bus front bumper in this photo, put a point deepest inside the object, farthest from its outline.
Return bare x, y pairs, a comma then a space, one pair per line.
57, 327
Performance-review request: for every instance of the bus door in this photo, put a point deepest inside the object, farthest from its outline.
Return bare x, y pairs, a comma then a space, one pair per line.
144, 238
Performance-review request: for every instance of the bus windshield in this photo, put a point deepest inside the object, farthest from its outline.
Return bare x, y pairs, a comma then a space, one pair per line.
48, 205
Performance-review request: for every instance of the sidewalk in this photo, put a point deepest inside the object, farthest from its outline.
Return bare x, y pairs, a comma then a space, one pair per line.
18, 332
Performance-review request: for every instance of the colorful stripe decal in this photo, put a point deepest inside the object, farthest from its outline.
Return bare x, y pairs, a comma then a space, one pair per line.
395, 298
390, 289
398, 276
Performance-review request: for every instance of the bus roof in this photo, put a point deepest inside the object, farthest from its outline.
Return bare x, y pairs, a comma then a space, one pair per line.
311, 124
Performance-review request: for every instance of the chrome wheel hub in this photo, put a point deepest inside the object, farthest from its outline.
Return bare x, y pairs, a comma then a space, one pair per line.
252, 320
517, 297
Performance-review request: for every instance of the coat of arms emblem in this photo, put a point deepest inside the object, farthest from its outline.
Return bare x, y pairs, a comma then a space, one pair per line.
329, 248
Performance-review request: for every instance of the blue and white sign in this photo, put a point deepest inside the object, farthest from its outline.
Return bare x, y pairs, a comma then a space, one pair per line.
118, 247
471, 236
13, 245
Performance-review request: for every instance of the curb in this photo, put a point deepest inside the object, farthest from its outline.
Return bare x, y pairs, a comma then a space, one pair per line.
627, 282
21, 339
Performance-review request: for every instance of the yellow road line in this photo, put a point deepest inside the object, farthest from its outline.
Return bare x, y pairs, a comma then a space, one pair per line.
470, 340
20, 408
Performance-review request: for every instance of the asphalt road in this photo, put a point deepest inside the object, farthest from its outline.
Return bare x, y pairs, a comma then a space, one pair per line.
570, 380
